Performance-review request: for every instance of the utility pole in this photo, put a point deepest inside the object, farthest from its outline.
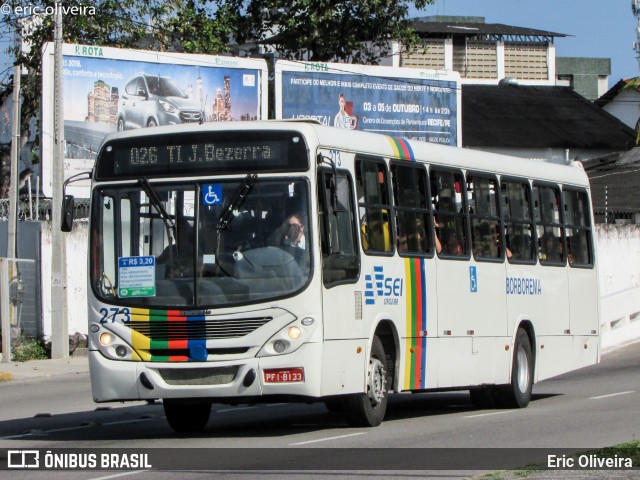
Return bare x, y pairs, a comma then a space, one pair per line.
7, 314
635, 8
59, 320
15, 154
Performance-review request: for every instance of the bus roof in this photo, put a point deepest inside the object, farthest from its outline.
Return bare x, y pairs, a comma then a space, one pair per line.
378, 144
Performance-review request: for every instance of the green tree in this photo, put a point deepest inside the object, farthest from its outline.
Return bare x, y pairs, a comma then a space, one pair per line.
355, 31
173, 25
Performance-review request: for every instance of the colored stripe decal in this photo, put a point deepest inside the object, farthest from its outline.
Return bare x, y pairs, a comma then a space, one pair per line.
401, 148
157, 318
416, 325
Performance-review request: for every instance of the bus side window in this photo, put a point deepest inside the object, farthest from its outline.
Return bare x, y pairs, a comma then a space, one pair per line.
411, 208
485, 218
549, 229
340, 255
578, 228
374, 210
518, 221
450, 212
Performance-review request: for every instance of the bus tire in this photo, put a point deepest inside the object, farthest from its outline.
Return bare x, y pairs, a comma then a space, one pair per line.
186, 416
368, 409
517, 394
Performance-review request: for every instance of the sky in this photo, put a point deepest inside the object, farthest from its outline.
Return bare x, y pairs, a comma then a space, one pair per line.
598, 28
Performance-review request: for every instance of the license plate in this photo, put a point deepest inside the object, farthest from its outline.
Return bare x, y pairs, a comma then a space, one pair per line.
284, 375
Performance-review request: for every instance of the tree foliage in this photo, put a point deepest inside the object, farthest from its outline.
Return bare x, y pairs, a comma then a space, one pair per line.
173, 25
355, 31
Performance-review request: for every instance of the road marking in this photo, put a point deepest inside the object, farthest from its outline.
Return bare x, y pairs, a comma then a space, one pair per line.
67, 429
611, 395
120, 422
120, 475
327, 439
488, 414
235, 409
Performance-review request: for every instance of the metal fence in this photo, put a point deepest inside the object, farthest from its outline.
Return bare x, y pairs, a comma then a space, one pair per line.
19, 313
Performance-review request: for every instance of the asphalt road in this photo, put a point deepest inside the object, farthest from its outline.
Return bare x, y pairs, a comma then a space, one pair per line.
590, 408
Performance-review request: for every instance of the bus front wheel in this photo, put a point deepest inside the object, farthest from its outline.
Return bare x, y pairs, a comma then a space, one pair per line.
368, 409
186, 416
517, 394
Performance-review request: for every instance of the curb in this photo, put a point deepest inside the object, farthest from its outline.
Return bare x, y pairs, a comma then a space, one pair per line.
5, 377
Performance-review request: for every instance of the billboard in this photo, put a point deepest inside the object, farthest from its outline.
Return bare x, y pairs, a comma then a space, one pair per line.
405, 102
108, 89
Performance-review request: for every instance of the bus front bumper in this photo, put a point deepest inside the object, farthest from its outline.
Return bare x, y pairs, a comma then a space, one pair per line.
113, 380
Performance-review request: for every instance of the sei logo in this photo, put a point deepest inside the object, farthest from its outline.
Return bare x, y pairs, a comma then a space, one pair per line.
379, 287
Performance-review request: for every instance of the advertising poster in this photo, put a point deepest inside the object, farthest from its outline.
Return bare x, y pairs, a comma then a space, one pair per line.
107, 90
405, 102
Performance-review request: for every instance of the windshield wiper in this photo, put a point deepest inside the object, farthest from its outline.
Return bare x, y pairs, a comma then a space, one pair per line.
226, 217
169, 223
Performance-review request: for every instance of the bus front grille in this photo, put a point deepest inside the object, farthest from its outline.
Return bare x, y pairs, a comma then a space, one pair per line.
208, 329
199, 376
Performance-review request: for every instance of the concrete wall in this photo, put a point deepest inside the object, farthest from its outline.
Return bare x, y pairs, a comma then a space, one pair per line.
77, 246
619, 260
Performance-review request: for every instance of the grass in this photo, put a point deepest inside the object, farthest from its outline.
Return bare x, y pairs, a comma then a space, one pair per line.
28, 349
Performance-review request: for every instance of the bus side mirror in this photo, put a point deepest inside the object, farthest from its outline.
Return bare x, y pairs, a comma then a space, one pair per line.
68, 206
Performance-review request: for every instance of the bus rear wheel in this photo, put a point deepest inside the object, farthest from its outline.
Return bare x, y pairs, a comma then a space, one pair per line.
368, 409
517, 394
187, 416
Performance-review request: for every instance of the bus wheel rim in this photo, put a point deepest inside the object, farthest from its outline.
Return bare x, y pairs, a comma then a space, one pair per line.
376, 387
523, 370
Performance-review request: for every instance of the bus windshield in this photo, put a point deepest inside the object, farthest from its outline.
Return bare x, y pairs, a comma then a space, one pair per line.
206, 244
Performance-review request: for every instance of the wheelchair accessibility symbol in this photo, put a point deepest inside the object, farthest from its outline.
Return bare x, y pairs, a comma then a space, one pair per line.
473, 280
212, 194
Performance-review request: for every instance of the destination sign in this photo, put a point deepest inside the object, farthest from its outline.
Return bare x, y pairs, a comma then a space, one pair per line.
202, 154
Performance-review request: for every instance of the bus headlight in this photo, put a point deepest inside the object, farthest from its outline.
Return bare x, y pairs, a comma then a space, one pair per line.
289, 338
110, 344
294, 332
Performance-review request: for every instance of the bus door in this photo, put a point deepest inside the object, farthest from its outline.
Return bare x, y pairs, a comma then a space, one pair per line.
553, 311
583, 280
470, 274
341, 302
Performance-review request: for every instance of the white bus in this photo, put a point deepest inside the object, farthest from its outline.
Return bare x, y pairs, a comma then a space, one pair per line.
249, 262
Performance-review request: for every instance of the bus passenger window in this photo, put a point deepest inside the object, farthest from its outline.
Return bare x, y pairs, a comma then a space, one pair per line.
411, 208
578, 228
549, 228
485, 219
449, 212
373, 206
518, 221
